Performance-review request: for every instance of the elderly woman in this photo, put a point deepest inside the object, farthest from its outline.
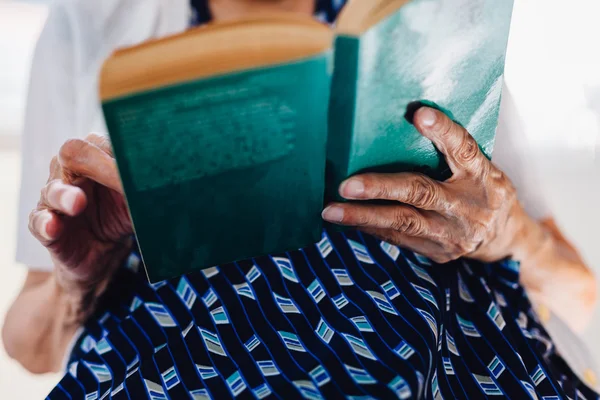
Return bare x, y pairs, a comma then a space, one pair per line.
429, 297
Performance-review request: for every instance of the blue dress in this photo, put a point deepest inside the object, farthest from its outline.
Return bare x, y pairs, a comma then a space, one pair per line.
350, 317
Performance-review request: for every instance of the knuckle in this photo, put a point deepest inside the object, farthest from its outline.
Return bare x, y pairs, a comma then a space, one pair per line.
53, 164
458, 248
453, 209
476, 233
408, 222
101, 141
479, 235
46, 189
445, 128
497, 174
34, 223
453, 205
360, 219
470, 247
457, 252
32, 217
436, 231
484, 223
71, 151
442, 259
501, 181
508, 190
95, 137
511, 195
502, 194
375, 187
467, 151
385, 192
44, 193
485, 230
54, 170
32, 229
423, 193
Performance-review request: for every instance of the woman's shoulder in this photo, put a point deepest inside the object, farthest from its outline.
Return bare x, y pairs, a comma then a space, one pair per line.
94, 29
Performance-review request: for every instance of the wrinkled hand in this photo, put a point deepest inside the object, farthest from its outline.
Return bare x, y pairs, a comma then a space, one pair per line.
82, 217
473, 214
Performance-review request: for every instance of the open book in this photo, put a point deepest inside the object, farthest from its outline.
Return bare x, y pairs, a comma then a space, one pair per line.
222, 133
391, 54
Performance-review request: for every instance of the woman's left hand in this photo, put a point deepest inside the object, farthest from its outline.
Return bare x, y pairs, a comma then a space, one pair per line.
473, 214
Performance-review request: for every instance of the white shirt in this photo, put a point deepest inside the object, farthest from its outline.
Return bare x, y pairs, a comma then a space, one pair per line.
63, 103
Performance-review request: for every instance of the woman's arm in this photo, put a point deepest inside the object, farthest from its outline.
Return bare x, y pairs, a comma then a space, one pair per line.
82, 220
40, 323
555, 275
513, 154
474, 214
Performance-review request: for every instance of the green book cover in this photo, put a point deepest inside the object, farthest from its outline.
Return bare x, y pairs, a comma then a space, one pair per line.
230, 167
447, 54
226, 168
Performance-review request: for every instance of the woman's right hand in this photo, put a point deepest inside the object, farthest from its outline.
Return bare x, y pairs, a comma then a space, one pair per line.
82, 217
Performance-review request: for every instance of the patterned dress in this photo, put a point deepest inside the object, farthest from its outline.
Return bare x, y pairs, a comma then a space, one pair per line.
350, 317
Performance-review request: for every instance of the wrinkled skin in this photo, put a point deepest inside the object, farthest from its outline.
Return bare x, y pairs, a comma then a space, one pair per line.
473, 214
82, 217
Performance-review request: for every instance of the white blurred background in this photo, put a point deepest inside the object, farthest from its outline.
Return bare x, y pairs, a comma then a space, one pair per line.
553, 71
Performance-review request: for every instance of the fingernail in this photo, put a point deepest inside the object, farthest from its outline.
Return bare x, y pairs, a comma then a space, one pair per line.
352, 189
67, 200
333, 214
428, 117
45, 219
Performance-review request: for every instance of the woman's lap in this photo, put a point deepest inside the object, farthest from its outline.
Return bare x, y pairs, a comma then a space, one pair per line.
350, 316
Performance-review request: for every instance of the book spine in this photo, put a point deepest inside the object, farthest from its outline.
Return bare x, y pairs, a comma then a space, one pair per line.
341, 113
